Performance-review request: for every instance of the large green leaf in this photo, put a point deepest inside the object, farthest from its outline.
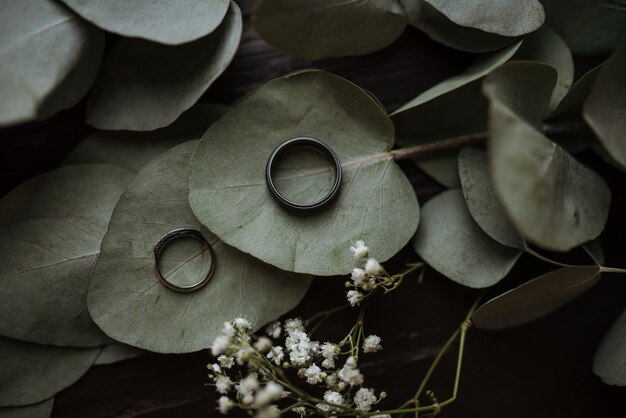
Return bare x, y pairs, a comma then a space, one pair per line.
51, 228
452, 108
435, 24
589, 27
49, 59
451, 242
609, 362
129, 303
442, 169
605, 108
376, 202
144, 85
546, 46
482, 201
313, 29
31, 373
165, 21
570, 108
551, 198
536, 298
38, 410
502, 17
132, 150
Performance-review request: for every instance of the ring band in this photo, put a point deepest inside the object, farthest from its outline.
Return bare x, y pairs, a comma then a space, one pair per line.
172, 236
304, 142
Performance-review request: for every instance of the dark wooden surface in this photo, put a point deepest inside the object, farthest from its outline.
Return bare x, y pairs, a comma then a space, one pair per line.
541, 370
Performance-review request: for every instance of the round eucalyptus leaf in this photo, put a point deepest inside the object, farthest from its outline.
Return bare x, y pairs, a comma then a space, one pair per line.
609, 362
376, 203
314, 29
605, 107
437, 26
49, 58
589, 27
451, 242
548, 47
571, 106
451, 108
131, 305
502, 17
114, 353
38, 410
31, 373
132, 150
536, 298
51, 228
552, 199
482, 201
165, 21
144, 85
443, 170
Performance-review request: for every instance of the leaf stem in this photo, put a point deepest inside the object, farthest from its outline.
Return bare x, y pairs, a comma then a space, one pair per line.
612, 270
541, 257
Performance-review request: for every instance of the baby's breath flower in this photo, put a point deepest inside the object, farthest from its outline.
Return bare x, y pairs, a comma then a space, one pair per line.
354, 297
294, 324
328, 363
225, 361
271, 411
243, 324
247, 385
331, 379
300, 410
372, 267
273, 329
220, 345
263, 345
228, 329
372, 344
313, 374
224, 405
363, 399
359, 250
329, 350
350, 374
334, 398
358, 276
276, 355
223, 384
271, 392
243, 355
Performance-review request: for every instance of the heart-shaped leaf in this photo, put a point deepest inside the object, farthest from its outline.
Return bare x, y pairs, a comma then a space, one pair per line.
144, 85
126, 298
548, 47
31, 373
435, 24
536, 298
451, 242
49, 59
38, 410
482, 201
589, 27
132, 150
609, 362
114, 353
51, 228
314, 29
452, 108
605, 108
502, 17
164, 21
571, 106
376, 203
551, 198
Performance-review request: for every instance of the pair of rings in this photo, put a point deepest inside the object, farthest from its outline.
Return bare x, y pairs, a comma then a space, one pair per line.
299, 142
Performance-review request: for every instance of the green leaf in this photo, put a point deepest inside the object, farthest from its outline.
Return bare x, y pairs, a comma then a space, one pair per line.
31, 373
571, 106
589, 27
605, 108
115, 353
546, 46
435, 24
482, 201
444, 169
594, 249
451, 242
376, 203
502, 17
38, 410
609, 362
536, 298
51, 228
125, 287
451, 108
165, 21
314, 29
49, 59
144, 85
132, 150
552, 199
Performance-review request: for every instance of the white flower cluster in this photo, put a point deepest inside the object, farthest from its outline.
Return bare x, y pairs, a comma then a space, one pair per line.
265, 382
366, 278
